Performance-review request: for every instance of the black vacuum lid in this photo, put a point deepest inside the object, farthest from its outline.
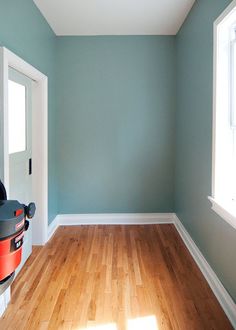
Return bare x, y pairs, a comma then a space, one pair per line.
3, 193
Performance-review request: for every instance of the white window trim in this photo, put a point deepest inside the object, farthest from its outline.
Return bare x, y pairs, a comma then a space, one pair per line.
225, 211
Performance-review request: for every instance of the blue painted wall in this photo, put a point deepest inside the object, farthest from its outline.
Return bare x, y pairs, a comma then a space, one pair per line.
116, 108
24, 31
111, 140
215, 238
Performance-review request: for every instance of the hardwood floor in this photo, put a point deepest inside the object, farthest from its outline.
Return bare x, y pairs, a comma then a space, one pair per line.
113, 278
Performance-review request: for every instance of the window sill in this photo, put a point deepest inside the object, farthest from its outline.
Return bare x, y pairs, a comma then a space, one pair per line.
227, 212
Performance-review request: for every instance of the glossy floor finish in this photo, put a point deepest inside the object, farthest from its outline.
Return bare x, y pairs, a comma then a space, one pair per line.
113, 278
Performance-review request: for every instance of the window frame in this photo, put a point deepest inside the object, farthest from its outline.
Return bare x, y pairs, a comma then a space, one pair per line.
223, 201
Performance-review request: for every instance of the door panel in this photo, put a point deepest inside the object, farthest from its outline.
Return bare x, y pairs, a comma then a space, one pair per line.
20, 146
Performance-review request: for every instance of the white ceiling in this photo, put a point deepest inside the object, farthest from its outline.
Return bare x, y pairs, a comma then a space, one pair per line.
115, 17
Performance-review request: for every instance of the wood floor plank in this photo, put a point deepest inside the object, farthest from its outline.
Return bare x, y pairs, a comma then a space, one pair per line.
87, 277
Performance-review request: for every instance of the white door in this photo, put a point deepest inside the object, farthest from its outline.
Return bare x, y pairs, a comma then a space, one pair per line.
20, 146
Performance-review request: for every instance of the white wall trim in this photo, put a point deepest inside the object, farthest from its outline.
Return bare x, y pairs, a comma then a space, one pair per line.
109, 219
39, 137
220, 292
226, 212
52, 227
114, 219
225, 13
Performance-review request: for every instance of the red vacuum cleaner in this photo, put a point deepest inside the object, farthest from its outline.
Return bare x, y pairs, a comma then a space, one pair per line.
13, 224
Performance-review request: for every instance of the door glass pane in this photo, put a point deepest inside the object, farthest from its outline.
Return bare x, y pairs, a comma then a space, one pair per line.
17, 117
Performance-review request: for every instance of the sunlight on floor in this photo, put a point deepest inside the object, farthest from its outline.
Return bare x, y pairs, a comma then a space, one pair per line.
140, 323
143, 323
110, 326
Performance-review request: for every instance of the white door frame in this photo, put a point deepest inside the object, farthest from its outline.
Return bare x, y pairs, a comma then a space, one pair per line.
39, 138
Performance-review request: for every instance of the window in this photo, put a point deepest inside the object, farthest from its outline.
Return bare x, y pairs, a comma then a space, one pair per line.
224, 117
16, 117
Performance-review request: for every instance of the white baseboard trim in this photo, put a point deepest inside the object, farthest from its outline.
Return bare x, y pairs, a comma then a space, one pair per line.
114, 219
52, 228
220, 292
108, 219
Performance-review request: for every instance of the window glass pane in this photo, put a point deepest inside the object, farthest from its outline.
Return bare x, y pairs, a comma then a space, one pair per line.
17, 117
233, 89
234, 168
